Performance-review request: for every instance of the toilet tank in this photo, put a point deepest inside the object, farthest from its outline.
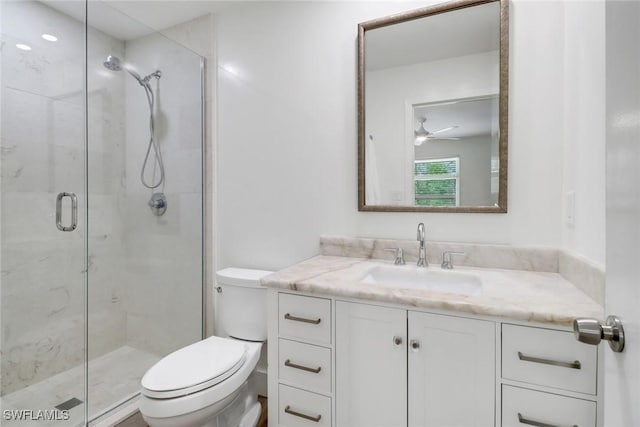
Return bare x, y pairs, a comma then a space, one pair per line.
242, 303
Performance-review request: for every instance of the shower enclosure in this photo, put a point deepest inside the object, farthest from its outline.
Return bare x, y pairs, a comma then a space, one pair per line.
100, 276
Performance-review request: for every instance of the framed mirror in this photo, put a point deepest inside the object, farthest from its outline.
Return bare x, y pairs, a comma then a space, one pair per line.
433, 109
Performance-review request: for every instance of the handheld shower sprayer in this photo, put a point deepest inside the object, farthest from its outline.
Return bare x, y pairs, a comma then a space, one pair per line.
113, 63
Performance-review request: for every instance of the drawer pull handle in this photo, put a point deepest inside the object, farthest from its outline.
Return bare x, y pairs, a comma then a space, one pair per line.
529, 421
302, 319
573, 365
303, 368
315, 419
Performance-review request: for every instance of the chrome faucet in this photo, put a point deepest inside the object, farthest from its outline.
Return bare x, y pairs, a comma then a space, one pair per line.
422, 253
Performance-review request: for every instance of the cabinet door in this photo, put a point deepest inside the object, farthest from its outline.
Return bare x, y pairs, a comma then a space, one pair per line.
451, 371
371, 366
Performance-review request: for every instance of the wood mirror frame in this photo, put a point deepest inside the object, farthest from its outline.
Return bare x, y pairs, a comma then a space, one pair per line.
501, 205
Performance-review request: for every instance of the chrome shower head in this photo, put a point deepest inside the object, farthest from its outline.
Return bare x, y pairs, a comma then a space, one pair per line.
112, 63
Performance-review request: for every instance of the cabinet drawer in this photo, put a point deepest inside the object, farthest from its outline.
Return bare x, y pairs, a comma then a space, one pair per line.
522, 407
302, 408
306, 318
549, 358
305, 365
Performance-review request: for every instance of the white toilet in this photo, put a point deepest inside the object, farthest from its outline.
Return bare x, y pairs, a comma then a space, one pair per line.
210, 383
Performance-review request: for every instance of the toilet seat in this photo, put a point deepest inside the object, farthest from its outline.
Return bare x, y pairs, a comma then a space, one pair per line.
194, 368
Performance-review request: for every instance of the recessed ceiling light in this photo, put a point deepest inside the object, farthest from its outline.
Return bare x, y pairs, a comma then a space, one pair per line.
23, 46
49, 38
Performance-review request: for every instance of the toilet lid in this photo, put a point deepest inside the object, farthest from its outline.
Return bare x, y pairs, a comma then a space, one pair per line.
194, 368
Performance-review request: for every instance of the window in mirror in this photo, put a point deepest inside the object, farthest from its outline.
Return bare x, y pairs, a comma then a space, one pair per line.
437, 182
466, 129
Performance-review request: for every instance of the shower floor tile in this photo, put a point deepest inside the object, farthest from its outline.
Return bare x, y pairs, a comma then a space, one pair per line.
113, 377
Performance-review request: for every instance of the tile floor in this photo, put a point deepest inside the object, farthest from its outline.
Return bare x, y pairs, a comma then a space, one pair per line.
134, 420
112, 378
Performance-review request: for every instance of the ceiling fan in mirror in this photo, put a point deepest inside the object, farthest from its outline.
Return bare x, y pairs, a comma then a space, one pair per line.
422, 134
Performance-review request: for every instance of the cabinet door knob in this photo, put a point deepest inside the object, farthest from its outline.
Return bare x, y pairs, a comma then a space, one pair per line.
415, 345
397, 341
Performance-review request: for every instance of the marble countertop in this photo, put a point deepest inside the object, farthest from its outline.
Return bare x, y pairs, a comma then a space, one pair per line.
513, 294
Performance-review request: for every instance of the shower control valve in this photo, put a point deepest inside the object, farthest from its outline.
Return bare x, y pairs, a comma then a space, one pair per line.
158, 203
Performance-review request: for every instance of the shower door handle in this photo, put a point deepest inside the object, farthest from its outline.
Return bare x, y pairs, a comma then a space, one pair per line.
74, 212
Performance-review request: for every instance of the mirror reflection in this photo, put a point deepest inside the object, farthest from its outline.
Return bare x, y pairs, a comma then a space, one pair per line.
433, 110
456, 153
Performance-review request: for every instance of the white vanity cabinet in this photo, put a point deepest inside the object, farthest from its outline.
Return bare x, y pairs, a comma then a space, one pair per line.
300, 360
349, 363
548, 378
396, 367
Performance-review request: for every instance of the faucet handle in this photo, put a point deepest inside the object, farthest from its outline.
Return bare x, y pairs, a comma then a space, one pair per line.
399, 255
421, 232
447, 264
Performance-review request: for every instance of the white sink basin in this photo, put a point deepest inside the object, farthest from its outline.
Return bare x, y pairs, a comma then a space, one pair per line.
412, 278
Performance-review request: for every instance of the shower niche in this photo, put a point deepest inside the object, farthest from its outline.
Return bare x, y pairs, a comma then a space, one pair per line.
109, 111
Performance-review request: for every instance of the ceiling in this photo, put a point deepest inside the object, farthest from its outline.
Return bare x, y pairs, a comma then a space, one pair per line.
128, 20
472, 116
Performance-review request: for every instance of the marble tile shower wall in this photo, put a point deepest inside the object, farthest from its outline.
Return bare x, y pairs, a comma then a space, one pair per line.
42, 131
164, 254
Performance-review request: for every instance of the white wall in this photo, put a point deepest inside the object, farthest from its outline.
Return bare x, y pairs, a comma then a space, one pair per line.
287, 135
584, 132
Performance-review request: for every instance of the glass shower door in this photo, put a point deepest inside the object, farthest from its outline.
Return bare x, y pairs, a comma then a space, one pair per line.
145, 282
98, 279
42, 214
